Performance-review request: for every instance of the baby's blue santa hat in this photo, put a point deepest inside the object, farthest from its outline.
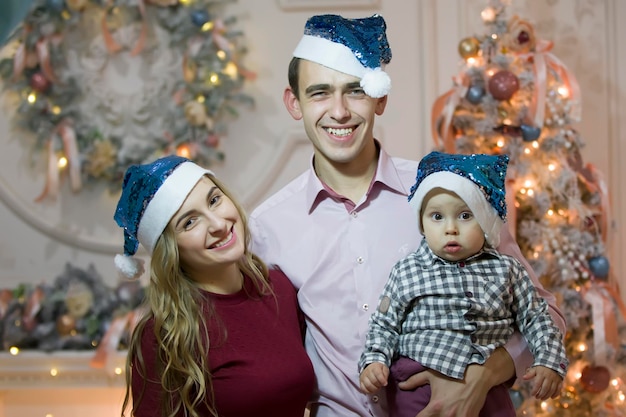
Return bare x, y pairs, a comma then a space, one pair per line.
356, 47
477, 179
151, 195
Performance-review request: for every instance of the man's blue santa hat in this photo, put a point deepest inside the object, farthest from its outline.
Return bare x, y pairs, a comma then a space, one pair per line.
355, 47
151, 195
478, 179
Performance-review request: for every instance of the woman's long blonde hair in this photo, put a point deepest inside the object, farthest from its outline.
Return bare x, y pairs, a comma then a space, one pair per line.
173, 300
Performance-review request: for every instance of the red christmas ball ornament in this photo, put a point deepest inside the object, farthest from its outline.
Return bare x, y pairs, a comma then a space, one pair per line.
503, 84
39, 82
595, 379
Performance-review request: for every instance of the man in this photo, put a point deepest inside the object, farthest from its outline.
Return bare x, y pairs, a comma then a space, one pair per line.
338, 229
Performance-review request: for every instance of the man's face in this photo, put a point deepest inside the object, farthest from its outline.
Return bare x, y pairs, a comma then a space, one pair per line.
338, 116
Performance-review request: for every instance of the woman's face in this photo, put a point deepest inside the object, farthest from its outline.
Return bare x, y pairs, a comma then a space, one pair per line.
209, 231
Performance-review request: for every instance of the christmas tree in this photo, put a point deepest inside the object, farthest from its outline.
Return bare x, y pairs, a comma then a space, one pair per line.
513, 96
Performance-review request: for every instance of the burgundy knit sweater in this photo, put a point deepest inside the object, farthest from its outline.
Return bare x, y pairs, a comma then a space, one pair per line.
259, 369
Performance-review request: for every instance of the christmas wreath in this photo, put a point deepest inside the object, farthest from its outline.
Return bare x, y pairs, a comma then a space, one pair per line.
202, 95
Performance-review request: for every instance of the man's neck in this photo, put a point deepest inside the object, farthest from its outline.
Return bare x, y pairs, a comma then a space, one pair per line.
350, 179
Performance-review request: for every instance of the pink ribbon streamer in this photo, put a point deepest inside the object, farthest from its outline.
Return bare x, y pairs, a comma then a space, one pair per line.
443, 110
603, 299
67, 134
542, 60
51, 188
110, 342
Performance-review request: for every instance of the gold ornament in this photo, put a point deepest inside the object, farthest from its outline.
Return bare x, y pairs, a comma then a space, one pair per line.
195, 113
65, 325
469, 47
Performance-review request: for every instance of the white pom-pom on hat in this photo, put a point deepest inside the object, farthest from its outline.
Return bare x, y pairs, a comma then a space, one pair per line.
129, 266
376, 83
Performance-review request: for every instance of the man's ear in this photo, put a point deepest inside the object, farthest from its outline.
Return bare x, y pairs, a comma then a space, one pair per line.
380, 105
292, 104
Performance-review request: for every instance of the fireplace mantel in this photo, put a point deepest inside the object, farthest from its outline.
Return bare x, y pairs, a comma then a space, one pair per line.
61, 369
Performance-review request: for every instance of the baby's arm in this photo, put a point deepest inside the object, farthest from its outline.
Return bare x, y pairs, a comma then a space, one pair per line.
547, 384
373, 377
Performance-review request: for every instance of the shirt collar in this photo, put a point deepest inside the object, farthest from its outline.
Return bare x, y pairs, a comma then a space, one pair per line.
386, 175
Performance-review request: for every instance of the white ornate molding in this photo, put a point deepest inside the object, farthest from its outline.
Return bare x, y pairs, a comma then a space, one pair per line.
34, 370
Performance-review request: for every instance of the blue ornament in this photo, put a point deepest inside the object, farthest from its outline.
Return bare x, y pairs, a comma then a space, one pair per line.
56, 5
599, 266
530, 133
475, 93
199, 17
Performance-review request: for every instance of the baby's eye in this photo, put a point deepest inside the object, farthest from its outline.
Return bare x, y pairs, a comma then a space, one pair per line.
436, 216
466, 215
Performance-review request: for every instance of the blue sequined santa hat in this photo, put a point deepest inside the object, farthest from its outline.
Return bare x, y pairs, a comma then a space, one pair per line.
151, 195
477, 179
355, 47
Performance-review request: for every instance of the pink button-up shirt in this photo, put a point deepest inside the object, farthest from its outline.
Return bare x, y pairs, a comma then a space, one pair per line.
339, 258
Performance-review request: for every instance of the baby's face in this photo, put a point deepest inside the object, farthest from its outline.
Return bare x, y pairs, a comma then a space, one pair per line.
450, 228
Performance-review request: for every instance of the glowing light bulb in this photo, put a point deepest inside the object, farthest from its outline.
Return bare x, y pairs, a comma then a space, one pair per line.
32, 98
551, 167
14, 350
563, 91
54, 371
500, 143
207, 26
231, 70
118, 371
488, 14
221, 54
582, 347
183, 151
62, 162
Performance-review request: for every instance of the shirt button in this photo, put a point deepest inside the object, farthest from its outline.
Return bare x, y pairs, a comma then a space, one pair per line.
461, 264
366, 307
354, 214
359, 260
375, 398
469, 294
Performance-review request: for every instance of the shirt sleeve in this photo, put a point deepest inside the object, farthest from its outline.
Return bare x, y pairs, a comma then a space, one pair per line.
531, 317
384, 324
517, 346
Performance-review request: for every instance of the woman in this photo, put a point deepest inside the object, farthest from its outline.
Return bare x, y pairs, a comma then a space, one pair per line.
222, 335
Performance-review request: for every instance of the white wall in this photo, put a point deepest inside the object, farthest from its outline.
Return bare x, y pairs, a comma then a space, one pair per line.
266, 147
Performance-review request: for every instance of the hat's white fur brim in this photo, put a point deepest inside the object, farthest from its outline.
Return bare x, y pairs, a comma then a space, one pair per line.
166, 201
329, 54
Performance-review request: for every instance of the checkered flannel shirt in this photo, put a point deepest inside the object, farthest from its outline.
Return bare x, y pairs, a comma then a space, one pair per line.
447, 315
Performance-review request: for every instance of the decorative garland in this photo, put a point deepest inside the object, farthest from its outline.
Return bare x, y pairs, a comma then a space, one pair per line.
203, 98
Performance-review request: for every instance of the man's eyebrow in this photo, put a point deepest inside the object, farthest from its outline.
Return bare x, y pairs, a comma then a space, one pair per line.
317, 87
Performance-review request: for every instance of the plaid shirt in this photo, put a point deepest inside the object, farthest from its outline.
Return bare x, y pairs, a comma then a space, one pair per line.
447, 315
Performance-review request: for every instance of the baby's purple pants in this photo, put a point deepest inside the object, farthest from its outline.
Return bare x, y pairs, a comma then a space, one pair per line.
409, 403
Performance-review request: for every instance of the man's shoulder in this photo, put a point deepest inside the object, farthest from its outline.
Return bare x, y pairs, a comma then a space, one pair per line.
406, 169
285, 195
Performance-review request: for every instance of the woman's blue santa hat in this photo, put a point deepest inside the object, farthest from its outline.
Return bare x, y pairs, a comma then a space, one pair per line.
478, 179
355, 47
151, 195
